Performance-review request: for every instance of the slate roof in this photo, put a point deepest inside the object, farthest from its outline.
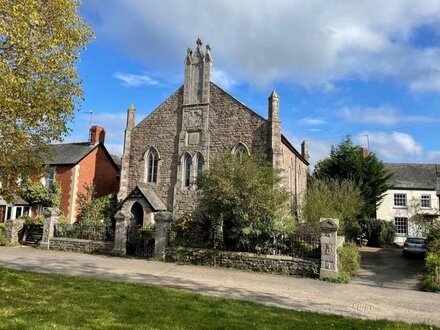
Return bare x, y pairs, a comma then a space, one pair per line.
69, 153
413, 176
152, 197
19, 201
73, 153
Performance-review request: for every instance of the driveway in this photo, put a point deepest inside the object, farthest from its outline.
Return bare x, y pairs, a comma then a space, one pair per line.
355, 300
388, 268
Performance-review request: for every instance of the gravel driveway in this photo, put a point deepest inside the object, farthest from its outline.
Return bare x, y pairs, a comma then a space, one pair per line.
356, 300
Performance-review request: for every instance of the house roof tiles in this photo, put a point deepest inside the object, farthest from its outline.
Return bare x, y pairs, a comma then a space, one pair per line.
413, 176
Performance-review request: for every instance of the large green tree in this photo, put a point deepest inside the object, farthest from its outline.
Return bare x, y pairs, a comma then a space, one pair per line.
347, 162
245, 202
40, 44
330, 198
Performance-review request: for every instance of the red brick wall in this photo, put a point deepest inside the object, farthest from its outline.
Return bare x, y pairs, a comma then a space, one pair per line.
98, 169
64, 175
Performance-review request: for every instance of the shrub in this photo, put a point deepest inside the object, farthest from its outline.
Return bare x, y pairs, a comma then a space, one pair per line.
62, 219
433, 238
431, 280
147, 232
36, 193
332, 199
349, 261
191, 229
2, 234
378, 232
96, 211
28, 220
246, 204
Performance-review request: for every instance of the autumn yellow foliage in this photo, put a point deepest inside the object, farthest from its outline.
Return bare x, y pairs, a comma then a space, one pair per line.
40, 44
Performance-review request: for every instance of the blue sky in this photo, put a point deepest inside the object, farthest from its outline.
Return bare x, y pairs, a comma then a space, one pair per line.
366, 68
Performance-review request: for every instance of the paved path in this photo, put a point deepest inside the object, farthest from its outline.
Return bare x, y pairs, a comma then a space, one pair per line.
388, 268
362, 301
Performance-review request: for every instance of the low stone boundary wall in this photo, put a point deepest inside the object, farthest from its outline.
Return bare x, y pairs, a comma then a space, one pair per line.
274, 264
81, 245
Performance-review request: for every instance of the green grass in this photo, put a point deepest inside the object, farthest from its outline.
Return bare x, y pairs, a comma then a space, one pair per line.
42, 301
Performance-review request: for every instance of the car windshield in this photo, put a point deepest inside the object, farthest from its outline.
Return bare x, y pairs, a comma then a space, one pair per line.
416, 240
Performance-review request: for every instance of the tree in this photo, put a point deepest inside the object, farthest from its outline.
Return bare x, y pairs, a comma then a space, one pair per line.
330, 198
347, 162
244, 201
40, 44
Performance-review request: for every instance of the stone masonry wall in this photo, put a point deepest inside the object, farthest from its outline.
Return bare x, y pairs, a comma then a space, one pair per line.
246, 261
160, 130
231, 122
294, 171
81, 245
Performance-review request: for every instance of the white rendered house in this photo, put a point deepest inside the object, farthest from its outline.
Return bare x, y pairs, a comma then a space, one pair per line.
413, 193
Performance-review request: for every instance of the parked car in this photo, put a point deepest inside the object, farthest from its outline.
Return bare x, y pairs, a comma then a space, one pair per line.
414, 245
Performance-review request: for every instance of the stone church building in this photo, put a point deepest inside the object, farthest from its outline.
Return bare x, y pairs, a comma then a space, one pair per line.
196, 124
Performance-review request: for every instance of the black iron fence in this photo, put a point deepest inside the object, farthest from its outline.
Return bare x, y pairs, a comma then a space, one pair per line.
82, 231
306, 247
140, 242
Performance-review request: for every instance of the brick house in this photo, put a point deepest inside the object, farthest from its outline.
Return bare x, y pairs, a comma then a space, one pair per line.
198, 123
75, 165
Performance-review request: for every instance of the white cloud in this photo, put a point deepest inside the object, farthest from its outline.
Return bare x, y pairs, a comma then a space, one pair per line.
393, 146
222, 79
310, 121
434, 156
115, 148
318, 150
135, 80
382, 115
307, 42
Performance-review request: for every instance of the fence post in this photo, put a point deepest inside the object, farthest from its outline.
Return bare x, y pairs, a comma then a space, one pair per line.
120, 244
12, 227
329, 248
163, 221
51, 215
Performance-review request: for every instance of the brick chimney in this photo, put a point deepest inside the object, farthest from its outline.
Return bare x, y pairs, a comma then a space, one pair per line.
97, 134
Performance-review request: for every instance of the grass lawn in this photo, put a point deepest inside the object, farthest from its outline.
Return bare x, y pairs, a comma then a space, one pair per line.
42, 301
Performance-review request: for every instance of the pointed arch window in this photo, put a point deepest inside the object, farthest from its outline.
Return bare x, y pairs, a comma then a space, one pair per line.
240, 150
187, 162
200, 162
152, 165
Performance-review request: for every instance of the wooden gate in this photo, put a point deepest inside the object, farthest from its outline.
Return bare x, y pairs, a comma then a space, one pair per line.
32, 234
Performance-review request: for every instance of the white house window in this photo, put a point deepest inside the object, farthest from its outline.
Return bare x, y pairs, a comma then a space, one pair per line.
401, 224
425, 201
49, 178
14, 212
8, 213
400, 200
187, 171
152, 164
